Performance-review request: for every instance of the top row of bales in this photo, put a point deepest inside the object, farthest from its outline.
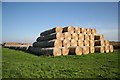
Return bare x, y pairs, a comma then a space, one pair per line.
69, 29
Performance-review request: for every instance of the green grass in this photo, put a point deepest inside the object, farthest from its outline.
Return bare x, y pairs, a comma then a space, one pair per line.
19, 64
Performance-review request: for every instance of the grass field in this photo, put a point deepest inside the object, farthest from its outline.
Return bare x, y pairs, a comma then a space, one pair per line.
19, 64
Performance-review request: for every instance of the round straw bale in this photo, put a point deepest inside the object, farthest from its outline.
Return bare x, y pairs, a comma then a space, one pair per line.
53, 30
107, 48
57, 51
107, 43
77, 29
67, 35
85, 50
83, 30
78, 50
88, 31
86, 37
99, 37
111, 48
92, 42
81, 36
93, 31
65, 51
73, 42
91, 37
99, 49
92, 49
86, 43
66, 43
80, 43
69, 29
75, 36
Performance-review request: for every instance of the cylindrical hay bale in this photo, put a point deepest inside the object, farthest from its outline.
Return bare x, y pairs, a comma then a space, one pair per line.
65, 51
86, 43
78, 50
93, 31
35, 50
80, 43
45, 44
99, 37
67, 35
45, 51
99, 43
69, 29
86, 37
75, 36
83, 30
92, 49
73, 43
85, 50
58, 36
66, 43
91, 37
77, 30
57, 52
81, 36
99, 49
12, 47
23, 48
106, 43
107, 48
58, 43
72, 50
54, 30
91, 42
75, 50
88, 31
111, 48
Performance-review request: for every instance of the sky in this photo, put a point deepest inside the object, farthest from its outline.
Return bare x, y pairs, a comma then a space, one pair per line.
60, 0
24, 21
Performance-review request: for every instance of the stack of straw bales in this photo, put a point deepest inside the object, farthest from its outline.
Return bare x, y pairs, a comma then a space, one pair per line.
70, 40
17, 46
